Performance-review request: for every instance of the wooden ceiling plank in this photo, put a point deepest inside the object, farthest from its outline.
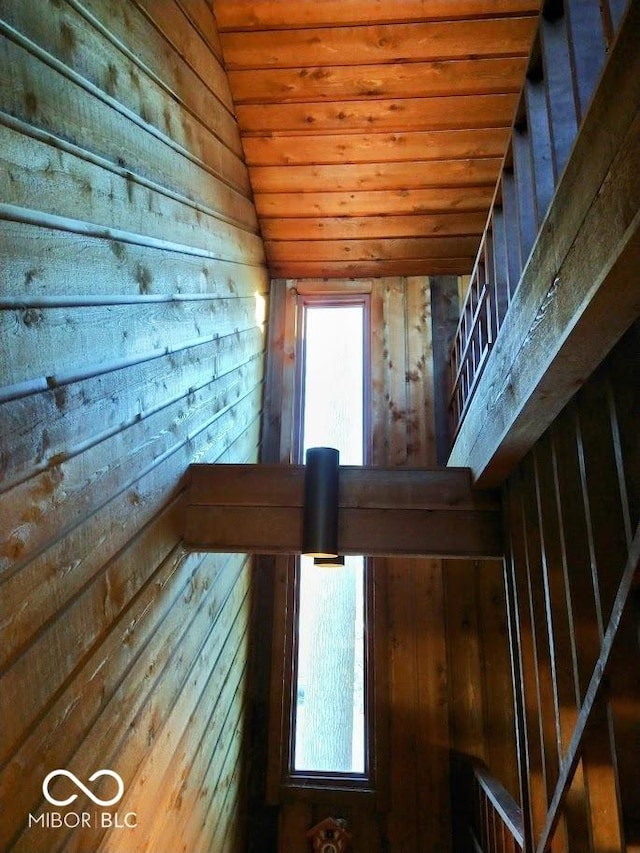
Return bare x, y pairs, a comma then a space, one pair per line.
285, 150
368, 45
371, 250
403, 115
368, 227
376, 176
376, 122
267, 14
370, 203
373, 269
419, 79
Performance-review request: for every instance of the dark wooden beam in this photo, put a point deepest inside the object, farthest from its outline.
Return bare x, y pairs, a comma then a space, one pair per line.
383, 511
579, 291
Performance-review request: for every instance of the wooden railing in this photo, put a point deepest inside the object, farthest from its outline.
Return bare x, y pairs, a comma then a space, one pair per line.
568, 54
496, 823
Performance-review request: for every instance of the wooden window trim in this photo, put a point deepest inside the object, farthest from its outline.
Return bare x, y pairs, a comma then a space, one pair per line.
282, 783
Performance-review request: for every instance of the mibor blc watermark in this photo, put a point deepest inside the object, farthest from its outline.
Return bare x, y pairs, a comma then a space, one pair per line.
72, 819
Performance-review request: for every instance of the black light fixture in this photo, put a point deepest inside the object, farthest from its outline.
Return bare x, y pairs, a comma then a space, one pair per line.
320, 524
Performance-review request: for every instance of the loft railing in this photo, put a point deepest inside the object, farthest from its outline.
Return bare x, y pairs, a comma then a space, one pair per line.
567, 57
496, 823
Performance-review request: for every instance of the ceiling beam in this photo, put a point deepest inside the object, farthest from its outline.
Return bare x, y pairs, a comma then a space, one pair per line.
382, 511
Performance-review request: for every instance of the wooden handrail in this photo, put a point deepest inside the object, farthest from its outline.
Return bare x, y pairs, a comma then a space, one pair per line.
535, 158
502, 802
498, 824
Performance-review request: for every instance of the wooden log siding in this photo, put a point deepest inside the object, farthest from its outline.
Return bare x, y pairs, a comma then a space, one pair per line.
566, 60
130, 347
573, 514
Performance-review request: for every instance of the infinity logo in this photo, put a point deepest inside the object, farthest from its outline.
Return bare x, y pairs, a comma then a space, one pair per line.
79, 784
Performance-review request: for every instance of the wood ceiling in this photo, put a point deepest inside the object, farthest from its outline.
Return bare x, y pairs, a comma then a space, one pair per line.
374, 131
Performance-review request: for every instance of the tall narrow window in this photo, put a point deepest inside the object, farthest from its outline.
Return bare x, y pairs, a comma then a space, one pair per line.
330, 707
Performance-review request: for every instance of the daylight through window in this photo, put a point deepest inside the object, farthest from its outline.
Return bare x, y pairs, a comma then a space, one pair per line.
329, 710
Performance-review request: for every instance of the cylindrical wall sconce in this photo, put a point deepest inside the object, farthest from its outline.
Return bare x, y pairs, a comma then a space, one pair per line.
320, 519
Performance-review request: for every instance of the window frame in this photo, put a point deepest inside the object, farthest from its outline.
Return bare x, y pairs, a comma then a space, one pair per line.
293, 782
334, 300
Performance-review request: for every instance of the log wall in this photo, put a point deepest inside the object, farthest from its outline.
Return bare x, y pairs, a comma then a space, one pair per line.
130, 347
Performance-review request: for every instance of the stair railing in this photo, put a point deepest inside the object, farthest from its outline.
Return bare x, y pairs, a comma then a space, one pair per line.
567, 57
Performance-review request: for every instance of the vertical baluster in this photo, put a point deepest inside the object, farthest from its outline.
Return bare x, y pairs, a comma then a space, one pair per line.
525, 190
491, 828
561, 617
561, 97
481, 331
464, 359
455, 385
543, 637
480, 825
489, 322
465, 382
490, 272
474, 816
453, 373
542, 154
512, 845
478, 806
514, 254
503, 836
497, 823
486, 839
500, 267
535, 807
470, 331
587, 48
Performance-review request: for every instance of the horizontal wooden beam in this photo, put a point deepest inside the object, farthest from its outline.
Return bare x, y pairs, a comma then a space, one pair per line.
579, 291
383, 511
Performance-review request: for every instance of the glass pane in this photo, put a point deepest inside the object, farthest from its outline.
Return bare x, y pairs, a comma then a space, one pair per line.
330, 704
333, 381
330, 695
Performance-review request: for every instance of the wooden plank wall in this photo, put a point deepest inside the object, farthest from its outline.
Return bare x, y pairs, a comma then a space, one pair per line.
449, 671
130, 347
480, 681
573, 511
480, 694
418, 810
